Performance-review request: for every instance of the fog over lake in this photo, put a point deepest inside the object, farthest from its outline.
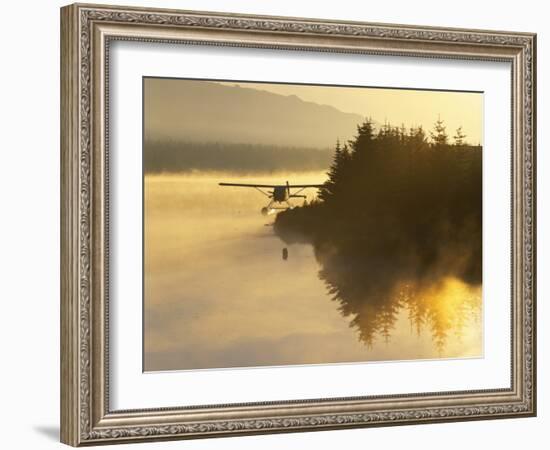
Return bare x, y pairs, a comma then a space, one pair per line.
218, 292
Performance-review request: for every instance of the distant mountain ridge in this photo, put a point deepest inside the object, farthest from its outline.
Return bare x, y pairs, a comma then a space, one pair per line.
204, 111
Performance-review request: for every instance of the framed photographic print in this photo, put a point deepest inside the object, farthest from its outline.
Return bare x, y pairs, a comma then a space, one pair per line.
275, 224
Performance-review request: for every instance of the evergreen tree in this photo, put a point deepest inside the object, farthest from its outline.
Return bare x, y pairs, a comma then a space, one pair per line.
335, 173
459, 137
439, 134
417, 138
365, 135
402, 133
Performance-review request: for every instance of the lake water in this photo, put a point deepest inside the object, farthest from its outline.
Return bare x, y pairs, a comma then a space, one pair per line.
218, 293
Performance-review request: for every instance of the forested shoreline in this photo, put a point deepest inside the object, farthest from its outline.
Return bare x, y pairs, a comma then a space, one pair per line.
171, 156
401, 210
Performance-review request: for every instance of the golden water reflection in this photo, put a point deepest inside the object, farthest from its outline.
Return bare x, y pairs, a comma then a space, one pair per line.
217, 292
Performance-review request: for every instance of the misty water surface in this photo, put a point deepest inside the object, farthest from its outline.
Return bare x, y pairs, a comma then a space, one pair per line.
218, 293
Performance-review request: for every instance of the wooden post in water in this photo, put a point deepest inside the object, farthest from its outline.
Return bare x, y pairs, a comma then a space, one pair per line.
285, 254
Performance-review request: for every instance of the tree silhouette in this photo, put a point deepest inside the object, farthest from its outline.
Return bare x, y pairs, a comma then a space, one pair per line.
335, 173
398, 215
439, 134
459, 137
171, 156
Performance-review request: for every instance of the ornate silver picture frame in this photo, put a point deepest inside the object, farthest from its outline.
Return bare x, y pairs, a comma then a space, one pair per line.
87, 414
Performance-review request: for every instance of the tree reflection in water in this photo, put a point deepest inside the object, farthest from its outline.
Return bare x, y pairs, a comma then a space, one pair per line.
373, 298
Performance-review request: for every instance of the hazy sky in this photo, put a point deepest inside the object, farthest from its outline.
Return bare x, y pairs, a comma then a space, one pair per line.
397, 106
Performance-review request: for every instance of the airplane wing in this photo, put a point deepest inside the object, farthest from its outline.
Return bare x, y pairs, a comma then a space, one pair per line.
249, 185
303, 186
259, 188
